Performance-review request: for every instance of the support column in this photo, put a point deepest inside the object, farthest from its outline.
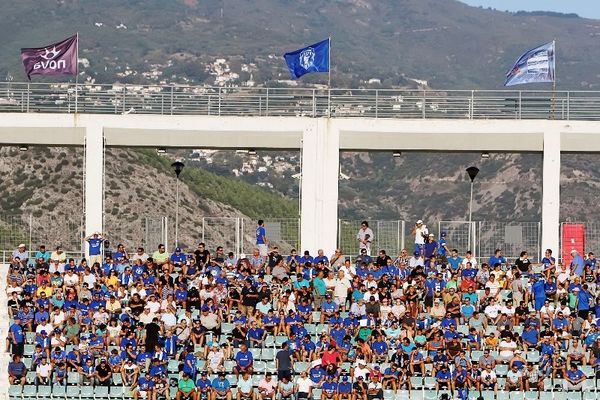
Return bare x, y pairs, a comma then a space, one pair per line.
94, 179
319, 194
551, 192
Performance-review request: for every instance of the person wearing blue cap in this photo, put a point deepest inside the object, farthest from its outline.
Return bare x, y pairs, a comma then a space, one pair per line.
178, 258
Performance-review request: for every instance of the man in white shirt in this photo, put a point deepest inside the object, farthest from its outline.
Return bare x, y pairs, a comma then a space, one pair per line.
365, 237
304, 386
341, 289
348, 268
507, 349
421, 232
493, 285
492, 311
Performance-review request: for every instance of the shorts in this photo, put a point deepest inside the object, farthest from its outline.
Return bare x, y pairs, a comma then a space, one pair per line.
263, 250
428, 301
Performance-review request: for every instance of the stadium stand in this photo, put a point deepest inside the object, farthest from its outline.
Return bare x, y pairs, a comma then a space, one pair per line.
209, 325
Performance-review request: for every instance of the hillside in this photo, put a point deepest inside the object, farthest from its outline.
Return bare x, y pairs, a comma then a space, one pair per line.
444, 42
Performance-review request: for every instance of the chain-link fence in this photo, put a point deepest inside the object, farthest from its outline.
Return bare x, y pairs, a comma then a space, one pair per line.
510, 237
388, 235
281, 232
459, 235
47, 230
221, 231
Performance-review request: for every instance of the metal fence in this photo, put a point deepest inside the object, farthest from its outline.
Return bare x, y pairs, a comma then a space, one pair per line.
388, 235
511, 237
47, 230
459, 235
298, 102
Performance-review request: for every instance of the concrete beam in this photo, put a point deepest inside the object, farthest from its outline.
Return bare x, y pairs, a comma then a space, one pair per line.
43, 136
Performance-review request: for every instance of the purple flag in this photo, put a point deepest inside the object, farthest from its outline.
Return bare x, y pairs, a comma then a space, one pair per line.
55, 59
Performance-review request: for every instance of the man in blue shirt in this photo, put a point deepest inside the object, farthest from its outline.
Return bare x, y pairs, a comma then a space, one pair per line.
497, 258
95, 248
178, 258
584, 301
221, 387
442, 378
345, 389
203, 386
577, 264
574, 379
442, 250
328, 308
244, 361
17, 337
329, 388
549, 263
454, 260
261, 238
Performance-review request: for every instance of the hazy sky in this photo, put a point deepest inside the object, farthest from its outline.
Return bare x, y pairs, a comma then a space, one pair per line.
585, 8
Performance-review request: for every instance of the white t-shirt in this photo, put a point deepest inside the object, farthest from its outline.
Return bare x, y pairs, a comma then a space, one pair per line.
362, 234
420, 234
341, 287
492, 311
508, 311
44, 370
214, 359
358, 371
512, 346
494, 287
472, 260
304, 384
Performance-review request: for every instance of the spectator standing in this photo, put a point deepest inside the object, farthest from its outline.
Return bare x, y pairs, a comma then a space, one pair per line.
284, 362
95, 241
365, 237
420, 232
261, 238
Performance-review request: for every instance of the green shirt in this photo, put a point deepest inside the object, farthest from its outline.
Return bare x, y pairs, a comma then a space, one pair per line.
160, 258
319, 285
186, 385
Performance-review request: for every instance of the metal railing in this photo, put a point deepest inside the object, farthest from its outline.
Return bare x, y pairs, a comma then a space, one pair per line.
297, 102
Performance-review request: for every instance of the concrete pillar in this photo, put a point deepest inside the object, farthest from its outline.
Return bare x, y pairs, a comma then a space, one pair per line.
551, 192
94, 179
319, 194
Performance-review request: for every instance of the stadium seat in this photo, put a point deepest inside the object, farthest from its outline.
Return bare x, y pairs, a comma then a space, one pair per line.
173, 366
531, 395
589, 395
270, 341
316, 394
29, 392
475, 354
516, 395
271, 367
116, 392
14, 391
429, 382
255, 353
430, 394
44, 391
567, 395
416, 382
302, 366
100, 393
58, 391
501, 370
117, 379
316, 316
403, 395
232, 379
533, 356
588, 370
27, 362
29, 349
30, 377
73, 378
72, 392
260, 367
388, 394
488, 395
502, 395
279, 340
226, 328
228, 364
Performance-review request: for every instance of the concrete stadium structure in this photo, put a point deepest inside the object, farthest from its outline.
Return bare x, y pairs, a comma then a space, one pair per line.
321, 140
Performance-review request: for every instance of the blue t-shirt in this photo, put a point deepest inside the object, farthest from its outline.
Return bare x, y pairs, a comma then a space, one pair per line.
345, 387
94, 246
575, 375
261, 233
244, 358
454, 263
221, 385
316, 374
329, 387
17, 331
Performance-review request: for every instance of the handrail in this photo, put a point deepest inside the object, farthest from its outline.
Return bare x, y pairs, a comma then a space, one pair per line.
298, 102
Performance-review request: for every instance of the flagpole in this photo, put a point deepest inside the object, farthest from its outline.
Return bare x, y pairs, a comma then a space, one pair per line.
76, 71
553, 78
329, 77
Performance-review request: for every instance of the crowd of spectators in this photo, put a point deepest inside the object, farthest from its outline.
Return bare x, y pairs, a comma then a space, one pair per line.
211, 325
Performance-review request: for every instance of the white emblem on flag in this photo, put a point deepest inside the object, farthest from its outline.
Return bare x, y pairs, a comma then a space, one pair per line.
307, 58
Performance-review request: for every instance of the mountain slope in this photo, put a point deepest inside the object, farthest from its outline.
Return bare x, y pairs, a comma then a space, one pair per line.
445, 42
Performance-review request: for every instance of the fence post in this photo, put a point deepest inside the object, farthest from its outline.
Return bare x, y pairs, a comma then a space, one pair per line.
339, 235
376, 103
472, 105
219, 104
403, 238
267, 104
299, 233
172, 98
314, 104
237, 236
203, 229
423, 105
124, 94
568, 109
166, 233
30, 229
28, 95
398, 238
520, 103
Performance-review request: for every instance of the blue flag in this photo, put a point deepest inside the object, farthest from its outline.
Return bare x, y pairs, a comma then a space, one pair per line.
537, 65
313, 58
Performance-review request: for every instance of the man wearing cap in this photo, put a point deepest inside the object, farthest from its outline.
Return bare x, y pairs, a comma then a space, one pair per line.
203, 387
360, 388
178, 258
365, 237
21, 253
420, 232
